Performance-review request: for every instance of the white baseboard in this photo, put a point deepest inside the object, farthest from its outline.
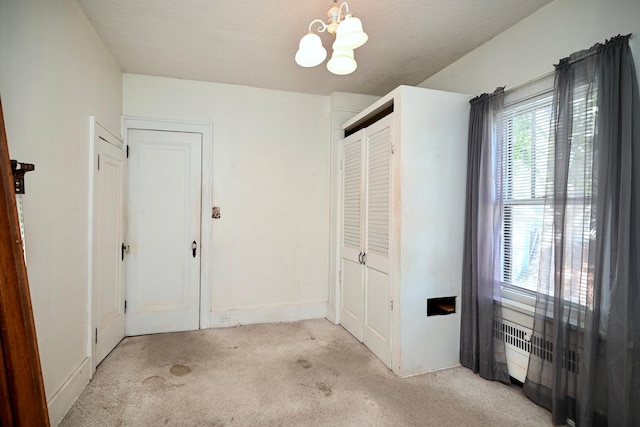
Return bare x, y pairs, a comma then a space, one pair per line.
268, 314
68, 393
416, 373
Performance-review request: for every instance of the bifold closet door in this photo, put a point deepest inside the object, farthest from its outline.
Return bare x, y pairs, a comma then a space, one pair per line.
376, 260
366, 283
352, 301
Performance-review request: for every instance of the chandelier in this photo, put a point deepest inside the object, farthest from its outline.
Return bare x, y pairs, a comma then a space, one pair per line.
348, 36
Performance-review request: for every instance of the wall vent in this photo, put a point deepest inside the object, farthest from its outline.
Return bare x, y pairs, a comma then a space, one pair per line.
519, 337
441, 306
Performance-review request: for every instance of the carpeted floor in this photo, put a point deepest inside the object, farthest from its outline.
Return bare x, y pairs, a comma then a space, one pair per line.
309, 373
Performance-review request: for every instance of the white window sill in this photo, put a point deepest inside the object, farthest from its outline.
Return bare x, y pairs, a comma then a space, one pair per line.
518, 306
518, 301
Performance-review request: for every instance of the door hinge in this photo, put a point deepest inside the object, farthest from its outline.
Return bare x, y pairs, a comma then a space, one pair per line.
340, 277
340, 164
393, 148
96, 335
391, 304
125, 306
127, 151
98, 161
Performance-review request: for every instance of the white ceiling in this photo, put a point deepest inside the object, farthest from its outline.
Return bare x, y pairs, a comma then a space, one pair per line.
253, 42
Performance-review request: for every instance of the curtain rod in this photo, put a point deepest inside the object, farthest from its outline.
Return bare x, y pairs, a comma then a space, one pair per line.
545, 74
593, 50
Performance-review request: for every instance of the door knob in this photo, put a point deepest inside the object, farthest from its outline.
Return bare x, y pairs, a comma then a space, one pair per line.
194, 248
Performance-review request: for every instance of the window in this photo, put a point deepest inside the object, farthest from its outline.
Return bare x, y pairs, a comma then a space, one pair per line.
526, 142
527, 145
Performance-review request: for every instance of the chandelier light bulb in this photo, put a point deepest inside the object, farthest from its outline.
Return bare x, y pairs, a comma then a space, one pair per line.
310, 51
342, 62
350, 34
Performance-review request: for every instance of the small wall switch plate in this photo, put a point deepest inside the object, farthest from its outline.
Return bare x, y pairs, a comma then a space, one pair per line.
224, 318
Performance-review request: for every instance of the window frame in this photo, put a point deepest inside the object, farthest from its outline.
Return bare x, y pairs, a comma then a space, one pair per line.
542, 90
518, 297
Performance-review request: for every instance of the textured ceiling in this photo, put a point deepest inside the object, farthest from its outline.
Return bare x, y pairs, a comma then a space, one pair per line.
253, 42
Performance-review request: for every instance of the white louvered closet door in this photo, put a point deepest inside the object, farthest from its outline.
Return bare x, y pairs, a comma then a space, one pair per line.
366, 284
376, 261
352, 300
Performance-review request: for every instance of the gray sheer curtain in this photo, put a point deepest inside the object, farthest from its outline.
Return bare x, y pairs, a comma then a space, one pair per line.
479, 349
585, 348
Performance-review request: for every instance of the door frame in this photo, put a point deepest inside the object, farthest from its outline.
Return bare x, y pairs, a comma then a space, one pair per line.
205, 130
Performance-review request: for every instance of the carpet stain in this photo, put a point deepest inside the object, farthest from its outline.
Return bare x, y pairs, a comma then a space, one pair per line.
180, 370
371, 403
154, 383
304, 363
326, 389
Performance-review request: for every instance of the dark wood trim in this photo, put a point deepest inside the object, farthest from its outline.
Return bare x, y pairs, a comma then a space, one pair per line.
22, 396
383, 111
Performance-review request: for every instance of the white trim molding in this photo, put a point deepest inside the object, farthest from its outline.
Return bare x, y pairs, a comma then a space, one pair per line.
64, 398
222, 318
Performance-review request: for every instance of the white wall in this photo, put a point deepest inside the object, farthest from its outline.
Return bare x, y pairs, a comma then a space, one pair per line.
433, 143
270, 254
55, 73
531, 47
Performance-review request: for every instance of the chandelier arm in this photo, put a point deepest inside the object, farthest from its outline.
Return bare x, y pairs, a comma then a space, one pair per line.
320, 29
342, 14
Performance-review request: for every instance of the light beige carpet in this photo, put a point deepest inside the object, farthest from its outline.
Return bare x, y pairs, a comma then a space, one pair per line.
309, 373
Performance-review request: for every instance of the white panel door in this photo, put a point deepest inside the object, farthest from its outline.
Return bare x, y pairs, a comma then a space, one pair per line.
163, 219
351, 304
376, 261
108, 235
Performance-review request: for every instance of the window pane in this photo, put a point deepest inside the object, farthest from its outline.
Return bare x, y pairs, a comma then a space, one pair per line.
522, 237
526, 138
527, 145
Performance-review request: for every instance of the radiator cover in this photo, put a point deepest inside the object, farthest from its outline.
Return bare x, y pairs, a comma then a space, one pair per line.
519, 343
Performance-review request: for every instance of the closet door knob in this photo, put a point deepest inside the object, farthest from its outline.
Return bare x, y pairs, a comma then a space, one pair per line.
360, 257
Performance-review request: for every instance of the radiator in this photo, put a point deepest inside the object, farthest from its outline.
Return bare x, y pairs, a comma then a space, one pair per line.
517, 346
519, 343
